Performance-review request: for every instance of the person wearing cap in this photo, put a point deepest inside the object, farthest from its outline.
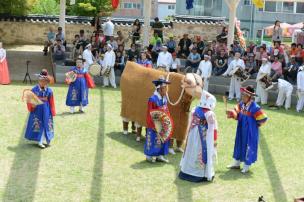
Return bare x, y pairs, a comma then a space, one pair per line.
290, 72
60, 34
262, 93
171, 44
108, 29
109, 62
285, 89
250, 117
300, 89
176, 63
40, 125
193, 60
198, 161
205, 70
164, 59
87, 55
235, 82
154, 148
79, 89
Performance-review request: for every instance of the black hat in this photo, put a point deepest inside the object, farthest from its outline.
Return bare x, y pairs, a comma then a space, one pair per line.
80, 58
160, 82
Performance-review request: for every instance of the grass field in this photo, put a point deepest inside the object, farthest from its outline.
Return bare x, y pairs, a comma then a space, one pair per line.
90, 159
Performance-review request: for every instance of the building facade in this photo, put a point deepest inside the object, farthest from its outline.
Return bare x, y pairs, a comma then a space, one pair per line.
253, 20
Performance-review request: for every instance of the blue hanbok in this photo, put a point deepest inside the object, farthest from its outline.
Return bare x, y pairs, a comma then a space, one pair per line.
79, 89
40, 121
250, 117
153, 145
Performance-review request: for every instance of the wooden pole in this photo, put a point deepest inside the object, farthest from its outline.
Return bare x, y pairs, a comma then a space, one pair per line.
62, 16
147, 13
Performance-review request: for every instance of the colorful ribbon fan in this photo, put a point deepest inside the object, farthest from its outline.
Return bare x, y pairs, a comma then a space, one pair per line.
163, 124
70, 77
31, 98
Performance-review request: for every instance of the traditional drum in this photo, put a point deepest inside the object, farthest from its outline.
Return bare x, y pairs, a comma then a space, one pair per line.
241, 74
31, 98
105, 71
163, 124
266, 81
71, 76
95, 69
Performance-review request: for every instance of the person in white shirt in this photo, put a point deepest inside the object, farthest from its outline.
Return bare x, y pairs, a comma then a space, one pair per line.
300, 88
164, 59
285, 90
109, 62
108, 29
235, 82
176, 64
262, 94
205, 70
88, 56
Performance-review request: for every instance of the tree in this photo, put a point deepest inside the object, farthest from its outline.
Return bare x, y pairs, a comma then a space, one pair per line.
16, 7
90, 7
45, 7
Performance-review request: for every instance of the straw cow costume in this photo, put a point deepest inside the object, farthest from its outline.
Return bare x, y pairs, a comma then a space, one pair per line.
79, 82
198, 161
136, 88
40, 104
250, 117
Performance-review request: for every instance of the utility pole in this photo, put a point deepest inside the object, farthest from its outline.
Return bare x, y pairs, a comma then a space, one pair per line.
62, 15
147, 13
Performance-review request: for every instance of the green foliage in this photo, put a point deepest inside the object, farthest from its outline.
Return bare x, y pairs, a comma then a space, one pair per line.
45, 7
13, 7
90, 7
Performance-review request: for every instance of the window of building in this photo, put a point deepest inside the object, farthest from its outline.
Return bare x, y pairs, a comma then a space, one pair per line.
128, 5
209, 4
300, 7
288, 7
247, 2
270, 6
138, 6
171, 7
134, 5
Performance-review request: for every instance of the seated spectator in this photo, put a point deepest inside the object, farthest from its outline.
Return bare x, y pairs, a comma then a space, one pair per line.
220, 63
51, 36
220, 47
213, 46
171, 44
60, 34
261, 54
252, 47
193, 45
119, 61
299, 54
121, 49
76, 47
144, 61
290, 72
176, 64
164, 59
101, 40
236, 47
184, 45
293, 49
59, 51
200, 45
193, 60
155, 39
250, 66
276, 66
113, 43
132, 53
120, 39
83, 41
158, 47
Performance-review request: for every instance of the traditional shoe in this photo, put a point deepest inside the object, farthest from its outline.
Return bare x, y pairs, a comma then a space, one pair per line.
137, 139
162, 159
245, 169
179, 149
47, 144
41, 146
230, 99
150, 159
171, 151
81, 109
125, 132
72, 110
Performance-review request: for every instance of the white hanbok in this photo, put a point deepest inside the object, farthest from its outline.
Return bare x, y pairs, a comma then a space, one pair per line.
198, 161
262, 94
300, 90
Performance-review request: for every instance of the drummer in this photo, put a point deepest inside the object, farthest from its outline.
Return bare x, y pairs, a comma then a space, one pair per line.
154, 148
235, 82
88, 56
79, 89
262, 94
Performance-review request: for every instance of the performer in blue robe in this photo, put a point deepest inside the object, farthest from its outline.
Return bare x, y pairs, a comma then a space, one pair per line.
40, 124
250, 117
79, 89
154, 148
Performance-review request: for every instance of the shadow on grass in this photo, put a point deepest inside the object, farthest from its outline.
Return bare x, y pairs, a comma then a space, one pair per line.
272, 172
96, 182
233, 174
184, 188
21, 185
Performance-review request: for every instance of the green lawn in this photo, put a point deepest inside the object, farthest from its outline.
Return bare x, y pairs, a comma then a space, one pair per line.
90, 159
